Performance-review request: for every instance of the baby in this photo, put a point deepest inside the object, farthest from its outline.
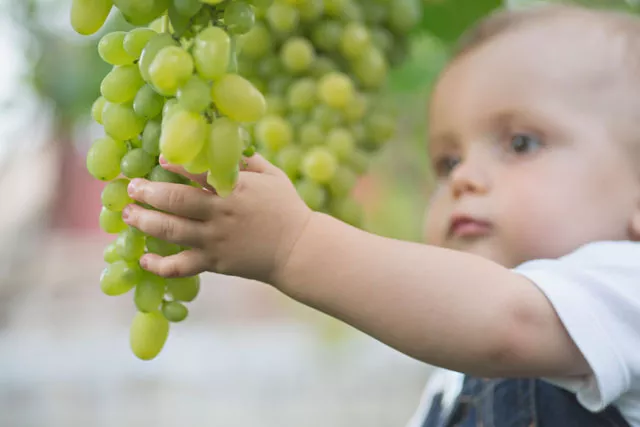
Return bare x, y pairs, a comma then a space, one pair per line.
527, 293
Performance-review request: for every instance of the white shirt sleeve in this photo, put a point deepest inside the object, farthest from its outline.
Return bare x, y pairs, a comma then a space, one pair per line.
596, 293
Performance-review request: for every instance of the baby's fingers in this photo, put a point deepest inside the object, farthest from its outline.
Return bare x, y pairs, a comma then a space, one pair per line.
184, 264
199, 178
178, 199
171, 228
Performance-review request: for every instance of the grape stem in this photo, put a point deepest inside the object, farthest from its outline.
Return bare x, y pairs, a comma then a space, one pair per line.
165, 23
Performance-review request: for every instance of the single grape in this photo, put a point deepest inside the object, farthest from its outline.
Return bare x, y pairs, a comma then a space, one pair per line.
183, 136
404, 15
161, 247
283, 17
310, 134
261, 5
187, 8
279, 85
96, 109
356, 109
355, 40
174, 311
327, 35
301, 95
347, 210
342, 182
276, 105
171, 68
359, 162
380, 127
149, 293
130, 244
256, 43
115, 195
195, 95
336, 89
371, 68
310, 10
160, 174
141, 12
111, 222
137, 163
225, 150
341, 143
211, 53
121, 84
351, 11
184, 288
148, 334
111, 49
288, 159
119, 277
110, 254
121, 122
297, 54
323, 66
326, 117
151, 137
151, 49
88, 16
273, 132
223, 181
148, 103
297, 119
238, 99
103, 158
170, 107
334, 7
319, 164
239, 17
312, 193
200, 164
135, 41
375, 12
382, 39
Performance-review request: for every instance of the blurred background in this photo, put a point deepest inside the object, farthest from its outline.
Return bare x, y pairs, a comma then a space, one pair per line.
247, 356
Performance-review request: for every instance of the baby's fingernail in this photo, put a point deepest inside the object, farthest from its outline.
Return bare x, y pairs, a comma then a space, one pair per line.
134, 187
125, 212
163, 161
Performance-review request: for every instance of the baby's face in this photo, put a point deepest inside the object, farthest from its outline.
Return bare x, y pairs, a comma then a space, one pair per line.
526, 162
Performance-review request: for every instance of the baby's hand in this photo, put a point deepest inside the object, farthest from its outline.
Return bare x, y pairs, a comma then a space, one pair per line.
249, 234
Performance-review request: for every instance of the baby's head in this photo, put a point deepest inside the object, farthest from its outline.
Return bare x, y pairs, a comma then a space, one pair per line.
534, 131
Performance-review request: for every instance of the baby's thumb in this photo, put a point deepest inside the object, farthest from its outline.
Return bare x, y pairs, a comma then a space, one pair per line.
259, 164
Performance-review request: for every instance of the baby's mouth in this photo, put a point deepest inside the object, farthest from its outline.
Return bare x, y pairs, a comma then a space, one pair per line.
464, 226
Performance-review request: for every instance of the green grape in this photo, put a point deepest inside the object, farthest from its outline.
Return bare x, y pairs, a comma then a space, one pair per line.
110, 254
355, 40
371, 68
174, 311
121, 84
256, 43
283, 18
312, 193
157, 25
195, 95
149, 293
148, 103
179, 23
375, 12
327, 117
342, 182
161, 247
336, 90
160, 174
148, 334
297, 54
382, 39
141, 12
310, 10
212, 1
111, 49
130, 244
137, 163
359, 162
404, 15
151, 49
288, 159
225, 147
261, 5
115, 195
279, 85
323, 66
341, 143
356, 108
88, 16
301, 95
297, 119
273, 132
187, 8
119, 277
96, 109
171, 68
276, 105
310, 134
270, 67
211, 53
238, 99
184, 289
359, 132
319, 164
136, 142
151, 137
347, 210
136, 39
223, 181
170, 107
334, 7
200, 164
239, 17
111, 222
249, 151
103, 158
380, 127
183, 136
352, 11
327, 35
121, 122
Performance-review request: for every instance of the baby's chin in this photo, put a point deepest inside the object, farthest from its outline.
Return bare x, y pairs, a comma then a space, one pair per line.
490, 249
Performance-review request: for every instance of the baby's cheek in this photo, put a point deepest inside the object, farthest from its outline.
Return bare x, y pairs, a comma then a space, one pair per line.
436, 221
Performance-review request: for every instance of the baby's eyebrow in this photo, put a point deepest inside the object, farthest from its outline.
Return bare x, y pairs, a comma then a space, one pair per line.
442, 140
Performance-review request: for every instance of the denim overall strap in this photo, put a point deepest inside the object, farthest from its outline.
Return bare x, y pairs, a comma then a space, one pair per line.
519, 403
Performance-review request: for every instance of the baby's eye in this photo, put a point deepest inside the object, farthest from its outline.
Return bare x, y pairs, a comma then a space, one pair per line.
446, 164
522, 143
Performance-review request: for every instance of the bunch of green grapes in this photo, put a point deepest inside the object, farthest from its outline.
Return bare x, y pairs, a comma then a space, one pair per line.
173, 91
322, 66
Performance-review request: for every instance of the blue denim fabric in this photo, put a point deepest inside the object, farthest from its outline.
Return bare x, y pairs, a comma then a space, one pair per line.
518, 403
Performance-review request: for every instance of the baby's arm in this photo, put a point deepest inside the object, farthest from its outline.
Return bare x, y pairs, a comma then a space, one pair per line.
443, 307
